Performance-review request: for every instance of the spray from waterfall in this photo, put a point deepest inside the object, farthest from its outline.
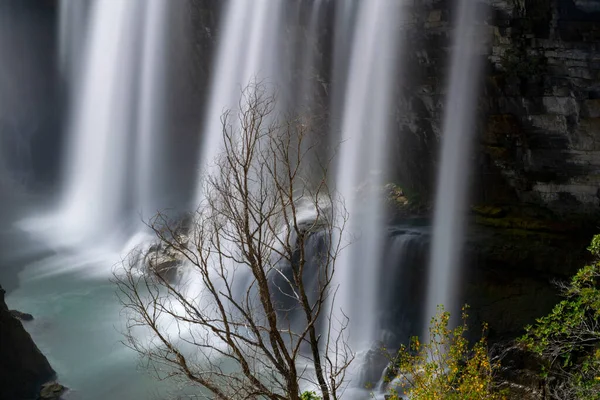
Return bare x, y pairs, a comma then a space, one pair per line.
452, 179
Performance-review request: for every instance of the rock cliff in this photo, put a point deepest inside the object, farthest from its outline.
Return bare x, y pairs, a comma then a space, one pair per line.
23, 368
539, 130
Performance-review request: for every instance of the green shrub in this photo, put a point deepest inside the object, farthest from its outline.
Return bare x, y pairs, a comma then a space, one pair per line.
447, 367
568, 338
308, 395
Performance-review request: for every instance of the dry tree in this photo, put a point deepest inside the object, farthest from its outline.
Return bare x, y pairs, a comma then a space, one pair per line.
253, 312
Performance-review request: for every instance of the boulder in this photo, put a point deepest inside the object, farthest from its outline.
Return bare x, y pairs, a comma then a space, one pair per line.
520, 372
164, 260
21, 315
51, 391
373, 364
164, 265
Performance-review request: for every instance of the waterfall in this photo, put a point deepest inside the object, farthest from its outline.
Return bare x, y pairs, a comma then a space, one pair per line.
343, 36
362, 163
247, 52
452, 179
114, 56
116, 118
309, 67
71, 35
151, 162
100, 126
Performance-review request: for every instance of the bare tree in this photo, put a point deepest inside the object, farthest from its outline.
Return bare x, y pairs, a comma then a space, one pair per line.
253, 314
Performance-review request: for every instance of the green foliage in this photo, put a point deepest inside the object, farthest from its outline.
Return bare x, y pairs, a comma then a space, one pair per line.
405, 199
568, 338
308, 395
447, 367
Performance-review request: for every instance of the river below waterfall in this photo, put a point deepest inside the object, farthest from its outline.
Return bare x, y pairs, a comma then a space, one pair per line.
77, 320
77, 326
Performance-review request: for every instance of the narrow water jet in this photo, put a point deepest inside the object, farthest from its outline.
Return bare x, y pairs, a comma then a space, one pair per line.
151, 124
72, 21
453, 174
247, 53
362, 164
343, 37
309, 67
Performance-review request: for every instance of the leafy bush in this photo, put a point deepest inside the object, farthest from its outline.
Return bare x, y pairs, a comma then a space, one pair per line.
568, 339
446, 367
308, 395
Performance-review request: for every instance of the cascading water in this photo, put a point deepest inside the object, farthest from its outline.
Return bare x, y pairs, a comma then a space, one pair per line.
96, 170
308, 69
71, 36
362, 163
452, 179
343, 37
246, 53
150, 168
117, 163
116, 121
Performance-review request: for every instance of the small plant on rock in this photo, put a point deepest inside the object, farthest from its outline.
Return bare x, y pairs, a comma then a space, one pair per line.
309, 395
447, 367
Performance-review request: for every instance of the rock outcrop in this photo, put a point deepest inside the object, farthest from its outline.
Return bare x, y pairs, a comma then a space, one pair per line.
164, 260
51, 391
539, 106
21, 315
23, 368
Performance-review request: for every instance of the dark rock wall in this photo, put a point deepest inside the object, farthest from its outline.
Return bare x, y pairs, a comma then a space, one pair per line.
23, 368
539, 107
543, 120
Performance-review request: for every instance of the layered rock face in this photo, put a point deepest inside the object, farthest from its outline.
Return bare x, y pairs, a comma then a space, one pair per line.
539, 130
23, 368
542, 133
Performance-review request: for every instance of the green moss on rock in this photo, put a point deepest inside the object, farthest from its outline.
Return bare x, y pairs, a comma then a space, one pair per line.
489, 211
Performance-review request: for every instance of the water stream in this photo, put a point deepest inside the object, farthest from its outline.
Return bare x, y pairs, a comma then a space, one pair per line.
453, 175
362, 164
115, 60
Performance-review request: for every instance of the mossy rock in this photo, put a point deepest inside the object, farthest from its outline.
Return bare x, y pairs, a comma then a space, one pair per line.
404, 204
489, 211
523, 224
51, 391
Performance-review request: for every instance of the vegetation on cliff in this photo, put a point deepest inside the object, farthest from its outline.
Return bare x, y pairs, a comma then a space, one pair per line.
568, 338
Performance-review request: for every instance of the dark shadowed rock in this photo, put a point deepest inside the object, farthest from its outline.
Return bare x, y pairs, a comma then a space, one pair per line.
373, 363
21, 315
23, 368
520, 372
